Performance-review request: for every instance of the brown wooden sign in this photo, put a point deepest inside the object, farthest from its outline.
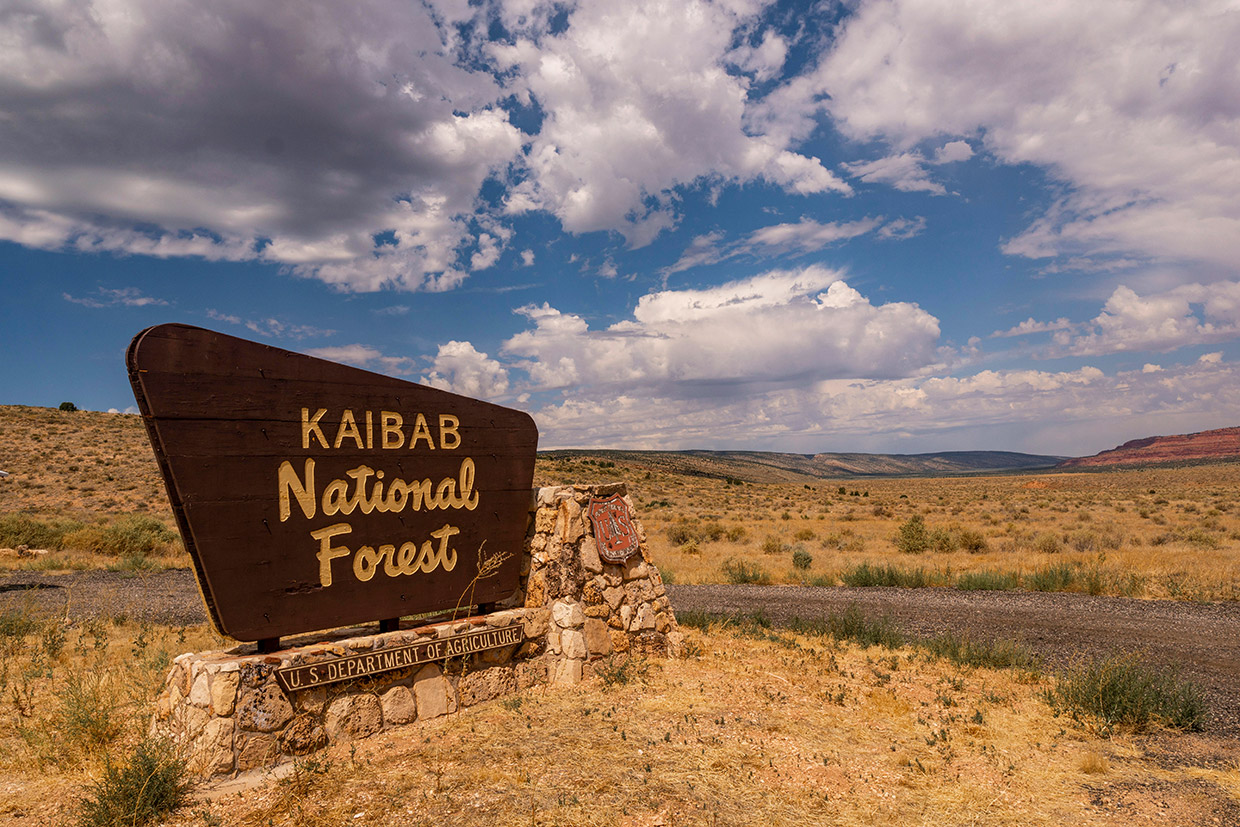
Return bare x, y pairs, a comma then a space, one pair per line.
614, 532
351, 667
312, 495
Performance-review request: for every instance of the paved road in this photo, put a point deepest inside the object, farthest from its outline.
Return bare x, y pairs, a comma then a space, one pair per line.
1202, 640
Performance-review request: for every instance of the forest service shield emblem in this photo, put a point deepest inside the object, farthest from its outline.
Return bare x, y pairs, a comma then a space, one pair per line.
613, 529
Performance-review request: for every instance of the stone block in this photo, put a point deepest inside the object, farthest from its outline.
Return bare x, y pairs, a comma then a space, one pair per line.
544, 520
399, 707
213, 753
645, 619
573, 644
311, 700
536, 623
567, 615
664, 622
614, 597
487, 684
264, 710
224, 692
626, 616
597, 638
566, 672
434, 695
531, 673
600, 611
353, 716
257, 750
554, 638
590, 561
570, 525
303, 735
200, 692
619, 641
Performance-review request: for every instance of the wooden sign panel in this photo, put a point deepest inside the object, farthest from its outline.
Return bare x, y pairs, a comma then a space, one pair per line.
312, 495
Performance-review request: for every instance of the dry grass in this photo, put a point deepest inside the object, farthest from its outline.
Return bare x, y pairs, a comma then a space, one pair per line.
1161, 532
1158, 532
802, 731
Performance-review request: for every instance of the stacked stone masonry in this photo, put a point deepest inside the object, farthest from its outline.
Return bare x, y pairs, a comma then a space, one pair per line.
575, 609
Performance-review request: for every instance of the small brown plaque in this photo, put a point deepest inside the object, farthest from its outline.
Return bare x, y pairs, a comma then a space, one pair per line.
312, 495
351, 667
614, 531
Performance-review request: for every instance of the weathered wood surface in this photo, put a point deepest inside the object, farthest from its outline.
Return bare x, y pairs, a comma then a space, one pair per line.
225, 415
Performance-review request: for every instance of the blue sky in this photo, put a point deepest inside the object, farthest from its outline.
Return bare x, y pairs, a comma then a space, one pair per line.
871, 226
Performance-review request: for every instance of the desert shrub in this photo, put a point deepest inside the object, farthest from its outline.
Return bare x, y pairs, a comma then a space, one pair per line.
971, 581
1083, 541
685, 530
680, 532
1057, 578
148, 786
801, 559
912, 537
89, 715
804, 535
773, 545
131, 535
738, 572
68, 407
941, 540
865, 574
736, 534
972, 541
1122, 690
991, 654
1048, 543
24, 530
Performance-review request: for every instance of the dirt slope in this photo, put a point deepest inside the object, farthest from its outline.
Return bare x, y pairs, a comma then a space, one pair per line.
1219, 444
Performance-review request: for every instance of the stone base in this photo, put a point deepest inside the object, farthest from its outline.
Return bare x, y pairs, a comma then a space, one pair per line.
229, 712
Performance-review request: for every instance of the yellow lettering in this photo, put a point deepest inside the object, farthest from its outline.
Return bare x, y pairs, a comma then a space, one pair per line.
446, 494
310, 426
326, 552
405, 561
397, 496
336, 498
348, 430
469, 497
391, 436
365, 563
446, 556
421, 431
304, 493
370, 430
448, 425
388, 553
359, 474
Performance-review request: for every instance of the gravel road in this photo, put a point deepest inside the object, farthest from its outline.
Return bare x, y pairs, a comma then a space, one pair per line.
1202, 640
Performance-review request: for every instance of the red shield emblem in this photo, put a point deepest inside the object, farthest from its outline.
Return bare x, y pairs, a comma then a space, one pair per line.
613, 529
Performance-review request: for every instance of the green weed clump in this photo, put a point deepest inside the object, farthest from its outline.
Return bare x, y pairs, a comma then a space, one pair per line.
1057, 578
990, 654
131, 536
853, 625
144, 789
971, 581
1124, 691
738, 572
802, 560
865, 574
25, 530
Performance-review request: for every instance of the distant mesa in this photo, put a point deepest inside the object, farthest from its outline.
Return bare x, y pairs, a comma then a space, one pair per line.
1219, 444
773, 467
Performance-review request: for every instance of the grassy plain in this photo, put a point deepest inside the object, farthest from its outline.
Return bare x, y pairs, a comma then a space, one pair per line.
755, 727
1167, 532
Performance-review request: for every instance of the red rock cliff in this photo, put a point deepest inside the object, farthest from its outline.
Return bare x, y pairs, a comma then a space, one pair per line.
1223, 443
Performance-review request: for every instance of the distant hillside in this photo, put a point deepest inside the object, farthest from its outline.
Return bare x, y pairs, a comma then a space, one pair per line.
1219, 444
763, 466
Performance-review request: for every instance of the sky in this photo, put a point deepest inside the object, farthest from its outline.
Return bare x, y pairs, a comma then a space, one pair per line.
879, 225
